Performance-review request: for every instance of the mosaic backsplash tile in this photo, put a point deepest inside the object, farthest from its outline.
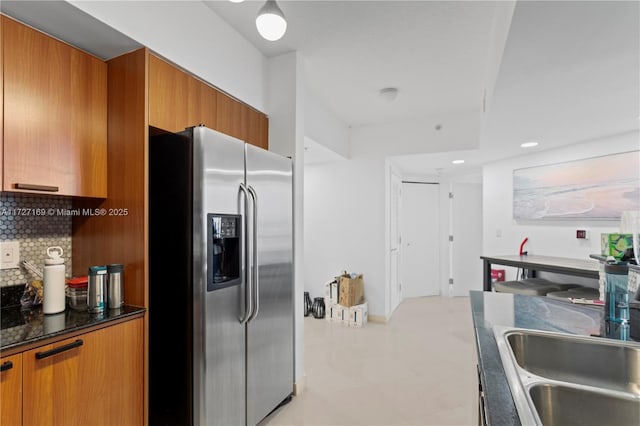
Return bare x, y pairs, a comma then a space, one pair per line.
33, 221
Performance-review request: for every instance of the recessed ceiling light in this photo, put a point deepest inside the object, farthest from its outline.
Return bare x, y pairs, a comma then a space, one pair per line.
458, 161
529, 144
236, 1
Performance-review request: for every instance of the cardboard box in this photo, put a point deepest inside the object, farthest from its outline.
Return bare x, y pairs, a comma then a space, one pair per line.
340, 314
351, 291
331, 292
615, 244
358, 315
329, 308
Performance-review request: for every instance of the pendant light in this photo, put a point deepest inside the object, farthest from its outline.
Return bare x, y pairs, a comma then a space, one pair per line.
270, 21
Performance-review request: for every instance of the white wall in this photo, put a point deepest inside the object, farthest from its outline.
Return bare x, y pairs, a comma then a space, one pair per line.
286, 137
191, 35
345, 226
323, 127
553, 238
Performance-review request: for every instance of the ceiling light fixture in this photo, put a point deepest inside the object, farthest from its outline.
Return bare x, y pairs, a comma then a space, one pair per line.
389, 94
236, 1
270, 21
458, 161
529, 144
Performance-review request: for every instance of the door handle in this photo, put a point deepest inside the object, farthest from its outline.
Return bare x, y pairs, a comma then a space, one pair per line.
8, 365
254, 252
248, 300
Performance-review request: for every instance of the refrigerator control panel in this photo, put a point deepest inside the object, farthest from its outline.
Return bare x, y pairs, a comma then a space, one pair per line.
224, 247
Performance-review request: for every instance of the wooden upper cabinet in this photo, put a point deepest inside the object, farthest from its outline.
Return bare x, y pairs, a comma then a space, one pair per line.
258, 130
55, 115
178, 100
168, 96
1, 101
233, 117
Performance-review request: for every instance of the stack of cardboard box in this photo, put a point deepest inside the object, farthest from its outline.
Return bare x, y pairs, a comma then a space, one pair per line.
344, 301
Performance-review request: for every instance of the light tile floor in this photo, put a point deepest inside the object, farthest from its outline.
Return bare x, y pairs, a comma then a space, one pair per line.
418, 369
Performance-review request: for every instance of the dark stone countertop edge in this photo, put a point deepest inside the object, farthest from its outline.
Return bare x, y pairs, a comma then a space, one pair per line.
131, 313
500, 408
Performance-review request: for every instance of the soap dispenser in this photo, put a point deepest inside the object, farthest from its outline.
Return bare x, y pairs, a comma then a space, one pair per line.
54, 296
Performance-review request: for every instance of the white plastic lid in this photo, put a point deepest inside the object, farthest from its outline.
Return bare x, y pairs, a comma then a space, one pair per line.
55, 256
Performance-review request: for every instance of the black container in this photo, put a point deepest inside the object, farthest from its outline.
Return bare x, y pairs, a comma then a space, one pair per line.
307, 304
318, 307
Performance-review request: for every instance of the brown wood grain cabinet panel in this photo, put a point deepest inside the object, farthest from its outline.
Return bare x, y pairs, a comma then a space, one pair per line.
202, 104
11, 391
98, 383
178, 100
54, 114
120, 236
168, 96
258, 129
1, 102
233, 117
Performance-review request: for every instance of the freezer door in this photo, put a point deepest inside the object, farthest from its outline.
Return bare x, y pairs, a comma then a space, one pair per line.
219, 337
270, 331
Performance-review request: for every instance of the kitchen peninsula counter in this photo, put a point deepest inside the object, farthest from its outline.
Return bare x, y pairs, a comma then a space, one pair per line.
585, 268
21, 330
512, 310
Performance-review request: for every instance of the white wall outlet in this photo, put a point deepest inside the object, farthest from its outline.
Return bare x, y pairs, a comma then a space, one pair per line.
9, 255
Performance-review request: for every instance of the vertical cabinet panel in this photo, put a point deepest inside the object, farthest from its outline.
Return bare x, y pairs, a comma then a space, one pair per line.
54, 114
258, 129
11, 390
88, 143
233, 117
168, 96
98, 383
203, 98
1, 103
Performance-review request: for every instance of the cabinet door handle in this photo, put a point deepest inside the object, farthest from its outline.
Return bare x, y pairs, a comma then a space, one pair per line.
37, 187
6, 366
52, 352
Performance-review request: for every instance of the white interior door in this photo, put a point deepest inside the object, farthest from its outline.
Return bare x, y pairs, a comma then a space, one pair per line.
419, 222
394, 242
466, 209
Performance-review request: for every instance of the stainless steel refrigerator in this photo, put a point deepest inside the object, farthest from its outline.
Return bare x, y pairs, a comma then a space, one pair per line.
220, 279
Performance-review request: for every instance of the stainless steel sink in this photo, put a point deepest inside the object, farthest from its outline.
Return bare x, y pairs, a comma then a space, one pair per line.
583, 360
564, 379
566, 406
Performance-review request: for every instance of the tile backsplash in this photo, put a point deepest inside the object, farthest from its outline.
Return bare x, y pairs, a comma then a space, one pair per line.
34, 222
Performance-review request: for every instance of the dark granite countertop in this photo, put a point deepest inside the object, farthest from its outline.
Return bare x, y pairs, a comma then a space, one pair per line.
24, 327
512, 310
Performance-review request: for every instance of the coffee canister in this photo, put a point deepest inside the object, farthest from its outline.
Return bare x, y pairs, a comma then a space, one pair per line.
115, 282
97, 289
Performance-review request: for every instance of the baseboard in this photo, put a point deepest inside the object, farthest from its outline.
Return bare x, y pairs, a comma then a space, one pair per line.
299, 386
380, 319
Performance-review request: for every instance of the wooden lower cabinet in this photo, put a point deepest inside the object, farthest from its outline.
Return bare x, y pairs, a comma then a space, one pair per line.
11, 390
91, 379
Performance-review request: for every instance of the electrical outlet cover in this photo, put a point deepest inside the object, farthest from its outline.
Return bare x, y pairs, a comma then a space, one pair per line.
9, 255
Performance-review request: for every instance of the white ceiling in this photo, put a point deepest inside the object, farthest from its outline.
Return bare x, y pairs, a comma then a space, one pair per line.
434, 52
569, 71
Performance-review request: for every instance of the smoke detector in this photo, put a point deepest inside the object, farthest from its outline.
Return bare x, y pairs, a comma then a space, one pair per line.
389, 94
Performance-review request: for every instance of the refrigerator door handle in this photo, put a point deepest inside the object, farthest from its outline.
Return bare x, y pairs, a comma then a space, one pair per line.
254, 252
248, 298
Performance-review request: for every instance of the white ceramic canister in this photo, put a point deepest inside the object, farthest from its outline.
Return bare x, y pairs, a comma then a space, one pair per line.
54, 296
